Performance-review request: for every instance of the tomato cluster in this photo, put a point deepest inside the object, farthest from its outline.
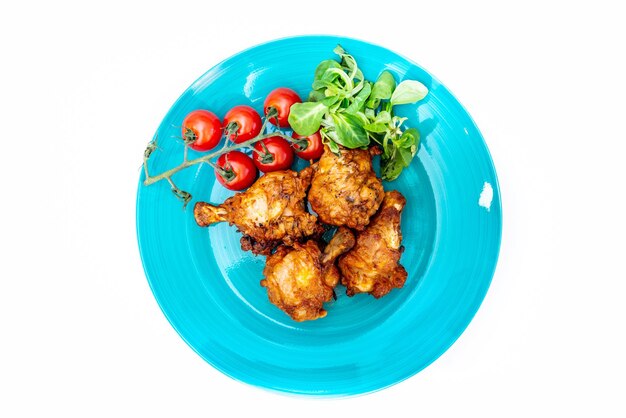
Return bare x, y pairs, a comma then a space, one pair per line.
202, 131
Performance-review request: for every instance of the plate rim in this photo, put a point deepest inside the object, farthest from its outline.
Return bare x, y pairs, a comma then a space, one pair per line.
497, 233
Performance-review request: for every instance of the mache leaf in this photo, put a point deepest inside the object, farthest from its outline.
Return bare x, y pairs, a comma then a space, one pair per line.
306, 118
382, 89
322, 67
409, 138
317, 95
360, 98
350, 132
408, 91
391, 167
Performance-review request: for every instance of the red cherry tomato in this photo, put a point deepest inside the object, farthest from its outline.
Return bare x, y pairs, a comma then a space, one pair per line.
242, 123
202, 130
314, 147
281, 100
235, 171
273, 154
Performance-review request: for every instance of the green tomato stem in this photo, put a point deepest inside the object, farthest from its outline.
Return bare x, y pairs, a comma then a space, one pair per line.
206, 158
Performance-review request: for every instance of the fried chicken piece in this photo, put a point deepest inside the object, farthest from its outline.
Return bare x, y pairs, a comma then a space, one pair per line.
270, 212
372, 266
342, 241
300, 279
345, 189
293, 278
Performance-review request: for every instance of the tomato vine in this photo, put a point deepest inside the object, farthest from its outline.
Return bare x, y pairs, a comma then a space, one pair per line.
226, 148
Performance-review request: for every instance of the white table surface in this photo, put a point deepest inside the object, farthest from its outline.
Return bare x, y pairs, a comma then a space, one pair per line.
82, 89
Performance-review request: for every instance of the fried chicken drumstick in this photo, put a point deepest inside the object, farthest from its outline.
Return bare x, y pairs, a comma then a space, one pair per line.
301, 278
270, 212
345, 189
372, 266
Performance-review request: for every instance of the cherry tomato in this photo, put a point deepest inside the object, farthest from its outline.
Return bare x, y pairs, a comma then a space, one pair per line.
314, 147
281, 100
202, 130
242, 123
235, 171
273, 154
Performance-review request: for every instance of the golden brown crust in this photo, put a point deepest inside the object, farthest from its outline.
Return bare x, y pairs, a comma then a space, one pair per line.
258, 247
206, 214
271, 211
372, 266
300, 279
345, 189
341, 242
294, 281
375, 150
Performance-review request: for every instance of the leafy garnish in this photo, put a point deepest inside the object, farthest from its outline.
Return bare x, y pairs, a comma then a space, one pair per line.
409, 91
399, 153
350, 131
351, 111
383, 88
305, 118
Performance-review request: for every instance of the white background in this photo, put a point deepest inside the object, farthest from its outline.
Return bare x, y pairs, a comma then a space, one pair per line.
83, 87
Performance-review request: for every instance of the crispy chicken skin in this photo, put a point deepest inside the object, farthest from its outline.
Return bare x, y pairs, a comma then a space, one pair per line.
300, 279
270, 212
342, 241
345, 189
372, 266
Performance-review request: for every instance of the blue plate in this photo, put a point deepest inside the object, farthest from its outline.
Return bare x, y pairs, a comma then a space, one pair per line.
209, 289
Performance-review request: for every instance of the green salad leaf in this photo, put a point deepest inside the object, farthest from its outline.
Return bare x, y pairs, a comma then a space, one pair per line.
409, 139
408, 91
350, 131
399, 153
305, 118
359, 100
382, 90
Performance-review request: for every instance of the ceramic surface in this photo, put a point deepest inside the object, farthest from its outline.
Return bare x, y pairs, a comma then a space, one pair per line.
208, 288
